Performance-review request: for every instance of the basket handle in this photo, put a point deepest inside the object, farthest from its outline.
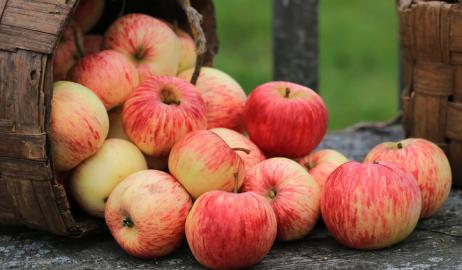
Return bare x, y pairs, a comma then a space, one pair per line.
195, 20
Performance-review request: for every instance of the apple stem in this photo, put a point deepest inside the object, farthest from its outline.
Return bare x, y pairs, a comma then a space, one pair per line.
287, 92
375, 162
236, 181
308, 166
122, 9
247, 151
400, 145
127, 222
80, 53
272, 193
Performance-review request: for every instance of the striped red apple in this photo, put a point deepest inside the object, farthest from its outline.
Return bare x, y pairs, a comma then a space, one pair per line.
371, 205
68, 52
285, 119
427, 162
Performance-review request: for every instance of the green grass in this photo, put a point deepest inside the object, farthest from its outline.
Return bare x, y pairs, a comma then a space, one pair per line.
358, 54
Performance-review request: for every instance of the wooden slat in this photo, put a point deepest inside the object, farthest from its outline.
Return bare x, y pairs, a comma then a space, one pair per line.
25, 39
26, 169
2, 7
31, 147
49, 7
7, 206
431, 122
454, 125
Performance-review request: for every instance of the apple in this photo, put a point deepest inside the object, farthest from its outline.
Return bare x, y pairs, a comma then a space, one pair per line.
230, 230
160, 112
293, 193
88, 13
110, 74
116, 127
224, 97
157, 163
68, 52
285, 119
321, 164
79, 124
150, 44
92, 44
95, 178
146, 214
371, 205
427, 162
201, 161
188, 50
236, 140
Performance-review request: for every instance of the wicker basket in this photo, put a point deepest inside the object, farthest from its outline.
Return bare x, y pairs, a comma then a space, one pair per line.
30, 193
431, 52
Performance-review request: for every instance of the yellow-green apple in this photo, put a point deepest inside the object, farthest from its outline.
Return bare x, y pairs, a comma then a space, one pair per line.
427, 162
110, 74
92, 44
201, 161
79, 124
285, 119
230, 230
188, 50
161, 111
68, 52
371, 205
148, 42
235, 140
321, 164
116, 127
95, 178
224, 97
293, 193
88, 13
146, 214
157, 163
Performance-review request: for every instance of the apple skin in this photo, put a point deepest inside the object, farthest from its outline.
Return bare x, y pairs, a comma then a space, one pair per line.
79, 124
146, 214
321, 164
426, 162
224, 98
230, 230
293, 193
160, 112
370, 206
150, 43
88, 13
188, 50
110, 74
302, 115
94, 179
237, 140
68, 51
92, 44
202, 161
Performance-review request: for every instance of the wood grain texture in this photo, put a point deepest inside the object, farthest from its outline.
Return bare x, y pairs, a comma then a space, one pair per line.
431, 49
295, 41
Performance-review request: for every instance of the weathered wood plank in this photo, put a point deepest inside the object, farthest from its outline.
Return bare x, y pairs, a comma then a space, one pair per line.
25, 169
31, 147
25, 39
295, 41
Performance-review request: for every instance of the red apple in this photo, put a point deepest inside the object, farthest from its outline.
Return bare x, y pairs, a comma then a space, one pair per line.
146, 214
147, 41
293, 193
229, 230
160, 112
79, 124
427, 162
201, 161
188, 50
88, 13
370, 206
110, 74
285, 119
92, 44
68, 52
236, 140
321, 164
224, 97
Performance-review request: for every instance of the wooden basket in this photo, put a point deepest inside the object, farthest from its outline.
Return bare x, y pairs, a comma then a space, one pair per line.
431, 52
29, 31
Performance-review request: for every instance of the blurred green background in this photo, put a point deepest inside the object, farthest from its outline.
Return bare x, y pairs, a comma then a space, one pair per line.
358, 54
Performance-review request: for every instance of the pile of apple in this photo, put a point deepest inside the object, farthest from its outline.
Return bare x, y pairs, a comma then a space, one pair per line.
127, 106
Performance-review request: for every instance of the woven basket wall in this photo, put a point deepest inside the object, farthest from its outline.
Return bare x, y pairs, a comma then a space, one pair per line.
431, 52
29, 31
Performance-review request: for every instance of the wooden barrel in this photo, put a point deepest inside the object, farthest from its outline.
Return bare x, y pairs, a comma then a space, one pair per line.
431, 52
30, 192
